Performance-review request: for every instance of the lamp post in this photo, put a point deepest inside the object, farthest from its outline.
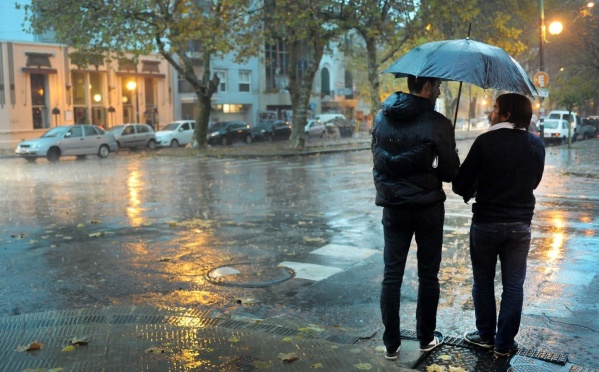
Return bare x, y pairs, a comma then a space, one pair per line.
132, 86
555, 28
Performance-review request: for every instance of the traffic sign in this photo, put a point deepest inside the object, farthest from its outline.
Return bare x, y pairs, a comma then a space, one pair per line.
541, 79
543, 92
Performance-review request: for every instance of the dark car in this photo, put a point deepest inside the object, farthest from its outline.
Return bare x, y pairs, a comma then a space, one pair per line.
271, 130
227, 132
587, 130
345, 127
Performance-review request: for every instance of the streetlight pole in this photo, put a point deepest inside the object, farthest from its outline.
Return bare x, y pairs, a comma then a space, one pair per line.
542, 68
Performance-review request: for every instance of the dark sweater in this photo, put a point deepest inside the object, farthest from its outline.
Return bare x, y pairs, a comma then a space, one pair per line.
502, 169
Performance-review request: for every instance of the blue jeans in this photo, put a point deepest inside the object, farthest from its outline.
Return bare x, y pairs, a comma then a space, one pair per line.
510, 242
399, 226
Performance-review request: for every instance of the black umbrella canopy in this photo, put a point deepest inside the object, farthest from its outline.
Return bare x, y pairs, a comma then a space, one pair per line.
465, 60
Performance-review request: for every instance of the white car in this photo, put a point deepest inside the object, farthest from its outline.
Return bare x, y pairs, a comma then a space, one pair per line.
315, 128
77, 140
175, 134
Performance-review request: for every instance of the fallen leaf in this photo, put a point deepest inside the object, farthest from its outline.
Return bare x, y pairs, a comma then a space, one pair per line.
246, 300
67, 238
456, 369
234, 339
79, 341
287, 339
356, 351
317, 365
444, 357
164, 259
32, 346
435, 368
96, 234
155, 350
94, 221
68, 349
287, 357
81, 225
364, 366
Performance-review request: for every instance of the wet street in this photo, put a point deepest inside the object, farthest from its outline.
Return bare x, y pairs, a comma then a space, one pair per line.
287, 237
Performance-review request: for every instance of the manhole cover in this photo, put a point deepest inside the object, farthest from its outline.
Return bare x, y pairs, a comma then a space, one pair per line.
249, 275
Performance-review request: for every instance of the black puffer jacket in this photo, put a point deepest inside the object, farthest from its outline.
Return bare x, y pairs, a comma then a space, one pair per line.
407, 136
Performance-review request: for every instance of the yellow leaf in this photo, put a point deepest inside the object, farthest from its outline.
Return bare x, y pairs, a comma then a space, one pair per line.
311, 328
81, 225
444, 357
234, 339
287, 339
68, 349
435, 368
96, 234
155, 350
317, 365
364, 366
164, 259
287, 357
456, 369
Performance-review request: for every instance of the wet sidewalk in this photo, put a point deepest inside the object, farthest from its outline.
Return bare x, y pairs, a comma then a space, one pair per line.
130, 338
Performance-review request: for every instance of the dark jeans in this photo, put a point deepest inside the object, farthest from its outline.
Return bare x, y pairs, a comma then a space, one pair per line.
510, 242
399, 225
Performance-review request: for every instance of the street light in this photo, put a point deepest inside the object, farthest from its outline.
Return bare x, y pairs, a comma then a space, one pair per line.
132, 86
554, 29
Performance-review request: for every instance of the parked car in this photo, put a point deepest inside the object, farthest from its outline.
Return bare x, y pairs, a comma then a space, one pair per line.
574, 119
133, 136
227, 132
587, 130
67, 140
175, 134
345, 127
315, 128
271, 130
556, 130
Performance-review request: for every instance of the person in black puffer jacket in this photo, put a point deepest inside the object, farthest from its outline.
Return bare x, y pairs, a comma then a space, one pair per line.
414, 151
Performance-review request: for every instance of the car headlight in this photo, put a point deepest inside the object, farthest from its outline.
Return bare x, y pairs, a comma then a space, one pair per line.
214, 134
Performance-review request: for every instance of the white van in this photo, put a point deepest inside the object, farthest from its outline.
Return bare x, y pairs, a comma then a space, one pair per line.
324, 118
575, 120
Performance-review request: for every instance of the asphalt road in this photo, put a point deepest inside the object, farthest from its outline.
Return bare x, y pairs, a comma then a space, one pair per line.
212, 233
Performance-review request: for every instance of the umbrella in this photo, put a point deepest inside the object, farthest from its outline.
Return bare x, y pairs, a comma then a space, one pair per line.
465, 60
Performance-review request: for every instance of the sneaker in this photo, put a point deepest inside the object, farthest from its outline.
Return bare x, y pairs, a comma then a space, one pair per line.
475, 339
437, 341
392, 356
506, 352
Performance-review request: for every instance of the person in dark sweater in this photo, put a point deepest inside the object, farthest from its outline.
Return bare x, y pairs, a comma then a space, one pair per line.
502, 169
414, 151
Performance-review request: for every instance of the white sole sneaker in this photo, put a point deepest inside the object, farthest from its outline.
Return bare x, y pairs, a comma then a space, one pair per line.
436, 342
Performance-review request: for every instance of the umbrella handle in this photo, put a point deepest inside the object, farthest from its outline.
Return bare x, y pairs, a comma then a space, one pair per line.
457, 106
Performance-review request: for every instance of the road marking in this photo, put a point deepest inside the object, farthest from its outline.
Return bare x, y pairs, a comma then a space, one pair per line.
344, 251
310, 271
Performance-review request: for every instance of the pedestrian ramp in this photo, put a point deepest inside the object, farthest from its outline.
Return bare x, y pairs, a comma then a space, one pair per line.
339, 257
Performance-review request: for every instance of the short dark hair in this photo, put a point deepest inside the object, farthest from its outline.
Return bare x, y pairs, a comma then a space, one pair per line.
415, 83
519, 108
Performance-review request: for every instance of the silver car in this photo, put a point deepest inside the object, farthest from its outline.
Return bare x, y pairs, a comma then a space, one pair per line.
133, 136
68, 140
175, 134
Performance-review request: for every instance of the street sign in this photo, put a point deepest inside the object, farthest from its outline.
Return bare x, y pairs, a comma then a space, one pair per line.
541, 79
543, 92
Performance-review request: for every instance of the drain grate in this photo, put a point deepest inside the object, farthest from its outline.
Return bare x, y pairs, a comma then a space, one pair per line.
544, 356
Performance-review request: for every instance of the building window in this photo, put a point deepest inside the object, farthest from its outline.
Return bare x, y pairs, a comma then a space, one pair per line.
276, 61
245, 80
222, 76
325, 82
39, 97
89, 100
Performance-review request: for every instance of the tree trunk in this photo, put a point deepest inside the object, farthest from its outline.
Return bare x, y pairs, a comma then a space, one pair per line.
373, 77
300, 87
